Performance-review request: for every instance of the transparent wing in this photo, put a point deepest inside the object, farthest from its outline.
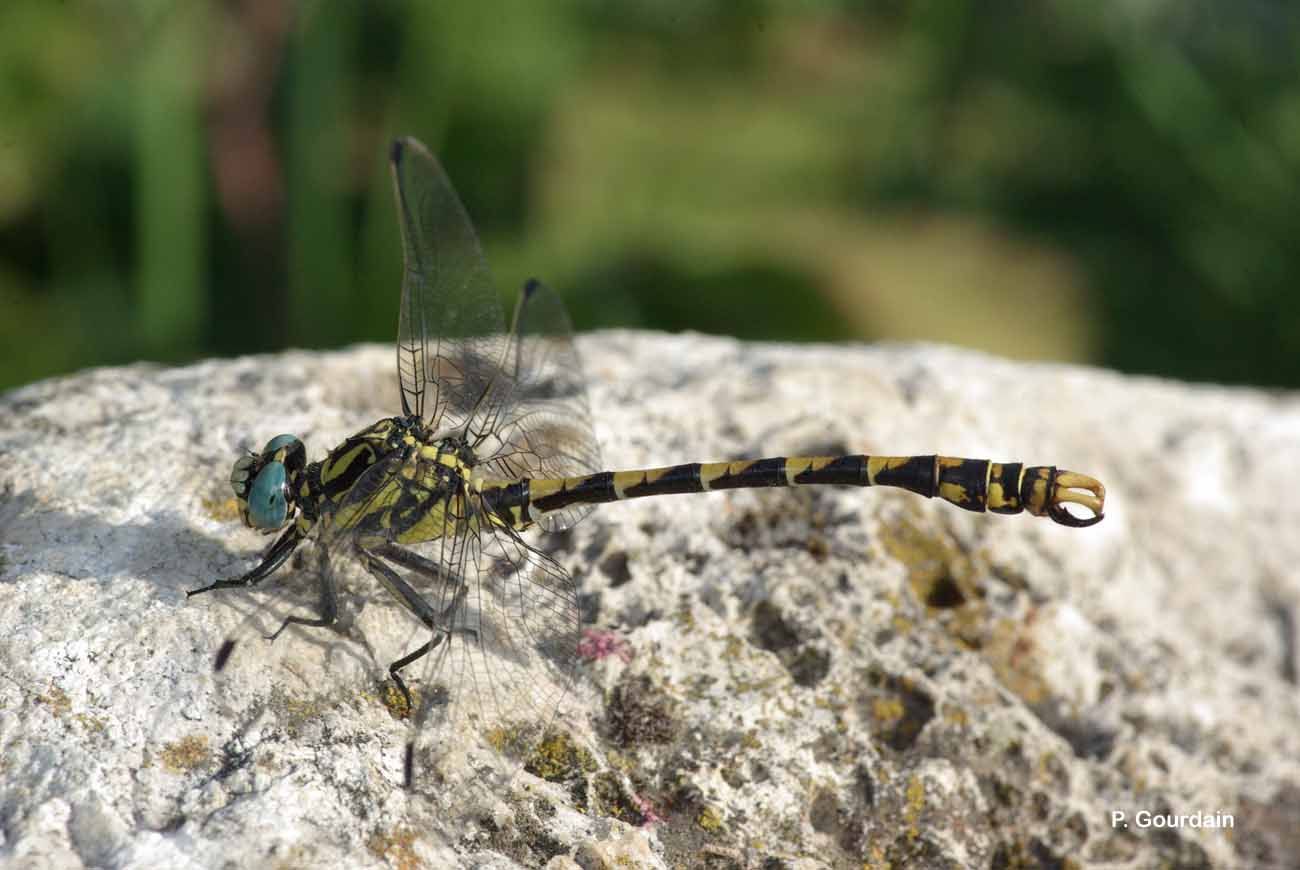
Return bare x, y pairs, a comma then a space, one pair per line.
499, 617
450, 334
520, 400
539, 424
507, 654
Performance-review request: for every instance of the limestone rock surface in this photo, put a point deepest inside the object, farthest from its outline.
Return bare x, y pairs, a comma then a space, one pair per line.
777, 678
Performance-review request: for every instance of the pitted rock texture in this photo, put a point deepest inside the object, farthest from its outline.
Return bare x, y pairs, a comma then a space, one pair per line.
776, 678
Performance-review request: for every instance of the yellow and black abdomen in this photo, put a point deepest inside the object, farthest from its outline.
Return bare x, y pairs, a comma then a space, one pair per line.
972, 484
980, 484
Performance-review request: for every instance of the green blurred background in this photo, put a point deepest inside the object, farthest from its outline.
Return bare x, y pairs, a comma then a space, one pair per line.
1111, 183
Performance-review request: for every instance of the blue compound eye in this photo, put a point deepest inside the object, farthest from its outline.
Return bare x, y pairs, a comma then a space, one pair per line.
277, 442
267, 505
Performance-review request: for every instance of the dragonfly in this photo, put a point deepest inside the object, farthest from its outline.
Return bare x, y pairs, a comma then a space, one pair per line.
494, 442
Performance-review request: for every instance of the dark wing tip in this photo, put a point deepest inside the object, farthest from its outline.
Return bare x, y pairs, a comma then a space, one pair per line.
395, 151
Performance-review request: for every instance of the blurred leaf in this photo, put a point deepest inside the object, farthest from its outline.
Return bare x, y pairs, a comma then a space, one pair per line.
321, 244
1127, 173
169, 171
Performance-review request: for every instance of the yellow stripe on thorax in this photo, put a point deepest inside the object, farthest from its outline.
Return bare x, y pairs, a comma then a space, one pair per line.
383, 499
336, 465
432, 525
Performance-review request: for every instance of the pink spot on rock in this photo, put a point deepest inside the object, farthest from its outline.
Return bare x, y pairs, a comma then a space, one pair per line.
598, 644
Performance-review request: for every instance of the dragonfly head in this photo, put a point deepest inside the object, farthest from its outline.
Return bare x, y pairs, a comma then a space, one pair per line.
266, 483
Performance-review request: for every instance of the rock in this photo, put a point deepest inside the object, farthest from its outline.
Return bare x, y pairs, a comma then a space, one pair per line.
796, 678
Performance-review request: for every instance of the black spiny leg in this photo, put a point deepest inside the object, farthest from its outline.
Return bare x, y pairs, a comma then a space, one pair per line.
439, 623
275, 556
410, 559
329, 608
272, 559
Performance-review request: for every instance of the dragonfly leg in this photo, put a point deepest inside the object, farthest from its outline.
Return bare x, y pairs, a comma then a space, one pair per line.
437, 621
410, 559
275, 556
329, 609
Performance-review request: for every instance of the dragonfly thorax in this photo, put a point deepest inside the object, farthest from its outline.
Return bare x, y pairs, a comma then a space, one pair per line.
266, 483
455, 446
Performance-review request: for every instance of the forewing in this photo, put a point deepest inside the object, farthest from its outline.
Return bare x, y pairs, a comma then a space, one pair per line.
542, 423
450, 335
